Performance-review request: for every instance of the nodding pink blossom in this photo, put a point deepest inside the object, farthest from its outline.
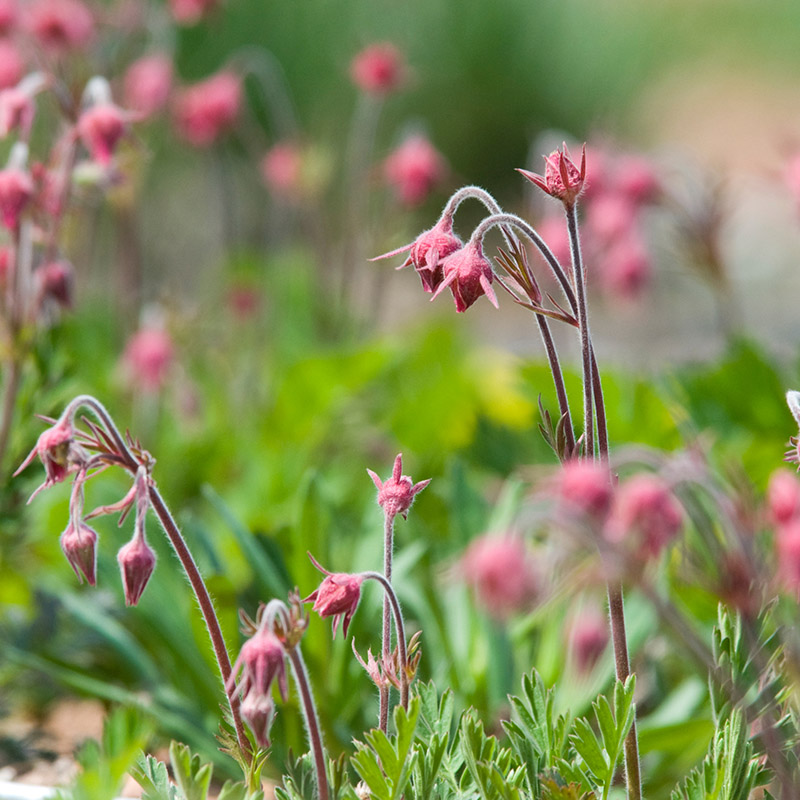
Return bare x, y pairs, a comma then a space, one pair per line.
136, 562
55, 281
585, 487
12, 67
397, 493
588, 638
261, 663
500, 571
428, 251
9, 15
562, 179
625, 268
783, 497
610, 216
80, 547
414, 169
645, 516
148, 357
469, 275
58, 451
61, 25
635, 178
190, 12
147, 85
378, 69
207, 109
16, 112
337, 596
16, 190
100, 128
281, 170
258, 711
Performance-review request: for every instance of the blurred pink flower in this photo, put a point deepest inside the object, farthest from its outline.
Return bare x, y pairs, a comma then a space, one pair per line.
205, 110
281, 170
625, 268
588, 638
61, 24
783, 497
55, 281
100, 128
378, 69
190, 12
16, 112
553, 229
148, 83
12, 67
585, 486
609, 216
16, 189
413, 169
244, 301
500, 571
9, 16
635, 178
148, 357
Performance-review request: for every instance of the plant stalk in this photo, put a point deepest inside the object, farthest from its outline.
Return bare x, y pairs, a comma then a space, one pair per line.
386, 638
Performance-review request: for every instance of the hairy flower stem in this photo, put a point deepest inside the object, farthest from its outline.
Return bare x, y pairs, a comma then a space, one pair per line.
400, 627
311, 718
386, 638
184, 555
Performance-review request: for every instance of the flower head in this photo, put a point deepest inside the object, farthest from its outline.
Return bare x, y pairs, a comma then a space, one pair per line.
136, 562
783, 497
468, 274
16, 111
100, 128
79, 544
396, 495
261, 662
378, 69
562, 178
207, 109
148, 83
413, 169
16, 190
148, 357
61, 24
337, 596
58, 451
585, 486
258, 711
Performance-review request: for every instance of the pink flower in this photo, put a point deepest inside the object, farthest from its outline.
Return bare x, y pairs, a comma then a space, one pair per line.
585, 486
625, 268
258, 712
337, 596
281, 169
562, 178
378, 69
100, 128
148, 83
413, 169
787, 548
61, 24
136, 562
261, 662
468, 274
396, 495
12, 66
428, 251
610, 216
16, 112
55, 281
190, 12
58, 452
500, 571
16, 189
588, 638
783, 497
148, 357
635, 178
645, 514
80, 546
207, 109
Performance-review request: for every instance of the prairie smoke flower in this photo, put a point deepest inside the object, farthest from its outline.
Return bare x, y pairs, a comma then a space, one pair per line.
206, 109
148, 83
588, 639
397, 493
562, 179
468, 274
337, 596
783, 497
61, 24
148, 357
258, 712
79, 544
428, 251
413, 169
585, 486
58, 452
16, 190
645, 515
136, 562
500, 571
261, 663
281, 170
100, 128
378, 69
625, 268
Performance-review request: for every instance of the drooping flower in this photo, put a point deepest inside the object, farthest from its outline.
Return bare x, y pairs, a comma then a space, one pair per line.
101, 127
80, 547
337, 596
261, 662
148, 83
59, 453
413, 169
258, 712
585, 486
16, 190
55, 281
148, 357
500, 571
397, 493
61, 24
16, 112
469, 275
378, 69
207, 109
136, 562
562, 178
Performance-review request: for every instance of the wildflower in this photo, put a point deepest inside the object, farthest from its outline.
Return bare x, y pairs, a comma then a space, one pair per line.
55, 281
625, 268
59, 453
16, 190
261, 662
585, 486
413, 169
396, 495
646, 514
337, 596
258, 711
148, 357
148, 83
562, 178
61, 24
206, 109
100, 129
428, 251
378, 69
136, 562
588, 638
281, 169
79, 544
16, 112
9, 14
500, 571
468, 274
783, 497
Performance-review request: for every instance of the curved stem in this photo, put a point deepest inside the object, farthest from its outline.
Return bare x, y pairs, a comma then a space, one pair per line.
558, 378
386, 637
311, 718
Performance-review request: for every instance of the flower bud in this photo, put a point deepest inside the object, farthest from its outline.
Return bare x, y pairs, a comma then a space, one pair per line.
80, 547
258, 711
100, 128
378, 69
396, 495
137, 562
148, 83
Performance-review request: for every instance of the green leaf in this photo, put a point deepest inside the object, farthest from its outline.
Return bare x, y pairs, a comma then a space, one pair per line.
191, 774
